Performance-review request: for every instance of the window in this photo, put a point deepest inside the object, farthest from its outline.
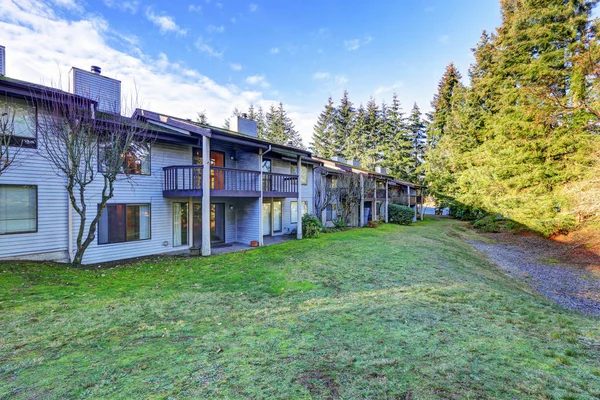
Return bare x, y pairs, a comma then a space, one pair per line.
180, 224
266, 165
124, 223
18, 209
303, 175
21, 119
332, 181
294, 210
136, 161
329, 212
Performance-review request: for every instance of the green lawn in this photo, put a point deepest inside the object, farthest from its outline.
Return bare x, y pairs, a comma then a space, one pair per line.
393, 312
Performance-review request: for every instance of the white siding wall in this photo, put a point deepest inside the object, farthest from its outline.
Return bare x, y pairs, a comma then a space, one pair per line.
50, 241
141, 190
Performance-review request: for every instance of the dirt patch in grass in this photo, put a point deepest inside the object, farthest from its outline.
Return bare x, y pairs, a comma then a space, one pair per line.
320, 383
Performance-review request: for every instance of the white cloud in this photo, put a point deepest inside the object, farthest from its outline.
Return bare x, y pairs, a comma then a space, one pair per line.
215, 29
340, 80
165, 23
253, 7
204, 47
68, 4
274, 50
233, 20
235, 67
444, 39
40, 45
123, 5
321, 75
387, 89
258, 80
355, 44
195, 8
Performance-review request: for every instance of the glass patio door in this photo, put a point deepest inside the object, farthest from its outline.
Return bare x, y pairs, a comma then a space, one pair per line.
277, 216
217, 224
266, 217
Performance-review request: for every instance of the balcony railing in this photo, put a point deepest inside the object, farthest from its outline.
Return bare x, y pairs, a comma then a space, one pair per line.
279, 184
186, 180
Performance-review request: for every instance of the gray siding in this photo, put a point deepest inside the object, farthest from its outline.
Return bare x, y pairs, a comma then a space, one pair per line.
50, 240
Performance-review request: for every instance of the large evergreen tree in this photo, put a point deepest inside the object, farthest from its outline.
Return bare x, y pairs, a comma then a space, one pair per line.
344, 124
516, 138
396, 143
441, 104
279, 127
323, 137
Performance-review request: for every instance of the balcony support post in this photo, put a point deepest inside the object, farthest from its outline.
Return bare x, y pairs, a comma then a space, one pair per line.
260, 208
299, 208
361, 214
206, 196
387, 202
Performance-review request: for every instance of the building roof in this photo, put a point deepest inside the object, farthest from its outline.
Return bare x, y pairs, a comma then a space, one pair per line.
36, 91
340, 167
219, 133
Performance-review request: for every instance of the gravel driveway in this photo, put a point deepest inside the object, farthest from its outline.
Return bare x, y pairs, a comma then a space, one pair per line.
570, 286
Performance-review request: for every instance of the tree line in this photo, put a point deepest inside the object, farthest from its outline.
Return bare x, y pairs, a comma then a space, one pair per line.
273, 125
375, 135
521, 139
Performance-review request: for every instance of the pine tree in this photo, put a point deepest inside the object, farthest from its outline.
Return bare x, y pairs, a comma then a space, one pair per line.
202, 117
397, 144
353, 144
417, 139
344, 124
441, 104
518, 138
324, 132
279, 128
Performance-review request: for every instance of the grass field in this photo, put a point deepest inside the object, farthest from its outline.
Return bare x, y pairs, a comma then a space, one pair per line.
392, 312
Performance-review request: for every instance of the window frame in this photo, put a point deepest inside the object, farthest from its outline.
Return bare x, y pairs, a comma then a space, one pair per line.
125, 224
21, 141
122, 171
303, 173
36, 210
295, 214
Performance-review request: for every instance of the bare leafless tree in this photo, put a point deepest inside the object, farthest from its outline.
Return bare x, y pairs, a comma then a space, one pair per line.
326, 192
10, 143
88, 147
349, 195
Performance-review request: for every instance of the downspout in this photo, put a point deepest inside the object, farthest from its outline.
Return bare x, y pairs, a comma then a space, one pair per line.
69, 229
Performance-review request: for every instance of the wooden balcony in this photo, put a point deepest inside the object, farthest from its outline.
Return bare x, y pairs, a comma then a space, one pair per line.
279, 185
186, 181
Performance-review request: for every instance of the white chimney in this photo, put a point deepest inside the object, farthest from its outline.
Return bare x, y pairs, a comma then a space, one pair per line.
106, 91
338, 159
244, 125
2, 61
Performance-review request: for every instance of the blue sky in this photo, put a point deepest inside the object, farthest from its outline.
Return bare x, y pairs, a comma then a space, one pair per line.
186, 56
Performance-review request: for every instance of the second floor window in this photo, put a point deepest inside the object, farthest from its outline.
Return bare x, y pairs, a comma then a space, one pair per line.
136, 160
303, 175
18, 121
266, 165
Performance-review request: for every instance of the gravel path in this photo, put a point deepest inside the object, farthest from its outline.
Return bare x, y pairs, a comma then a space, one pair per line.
569, 286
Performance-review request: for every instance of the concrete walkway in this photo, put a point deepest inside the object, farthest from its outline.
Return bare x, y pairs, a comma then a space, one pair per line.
233, 247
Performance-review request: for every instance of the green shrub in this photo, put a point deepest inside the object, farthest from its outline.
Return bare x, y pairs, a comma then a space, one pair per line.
487, 224
330, 230
339, 223
311, 226
401, 215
